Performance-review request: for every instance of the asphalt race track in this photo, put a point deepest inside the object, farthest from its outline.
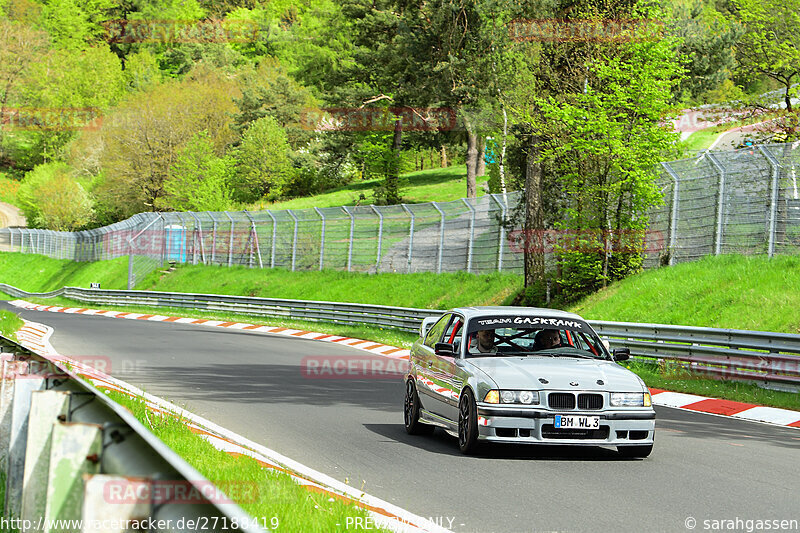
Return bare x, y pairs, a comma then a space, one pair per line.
703, 467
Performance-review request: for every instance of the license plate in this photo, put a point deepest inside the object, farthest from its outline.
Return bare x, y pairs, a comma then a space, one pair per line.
577, 422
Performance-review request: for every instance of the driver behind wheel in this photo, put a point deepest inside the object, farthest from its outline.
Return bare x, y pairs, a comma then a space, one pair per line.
483, 342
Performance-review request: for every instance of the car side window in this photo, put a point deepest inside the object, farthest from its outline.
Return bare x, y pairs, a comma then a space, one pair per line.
435, 333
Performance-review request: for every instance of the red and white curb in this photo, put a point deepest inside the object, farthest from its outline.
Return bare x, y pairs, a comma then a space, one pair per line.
689, 402
36, 337
366, 345
716, 406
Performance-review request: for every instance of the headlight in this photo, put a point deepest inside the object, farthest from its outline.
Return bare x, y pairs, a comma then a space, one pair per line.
524, 397
630, 399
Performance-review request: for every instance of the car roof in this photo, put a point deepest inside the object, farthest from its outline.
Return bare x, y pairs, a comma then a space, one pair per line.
501, 310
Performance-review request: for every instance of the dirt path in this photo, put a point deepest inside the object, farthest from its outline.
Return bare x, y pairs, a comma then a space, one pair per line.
11, 216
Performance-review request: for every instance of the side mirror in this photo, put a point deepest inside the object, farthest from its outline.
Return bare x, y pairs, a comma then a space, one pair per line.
426, 325
444, 348
621, 354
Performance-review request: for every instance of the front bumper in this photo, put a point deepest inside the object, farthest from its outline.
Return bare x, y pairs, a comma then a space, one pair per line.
537, 426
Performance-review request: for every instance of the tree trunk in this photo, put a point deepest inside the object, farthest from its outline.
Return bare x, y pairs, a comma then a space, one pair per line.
444, 157
393, 178
482, 158
534, 219
787, 98
472, 162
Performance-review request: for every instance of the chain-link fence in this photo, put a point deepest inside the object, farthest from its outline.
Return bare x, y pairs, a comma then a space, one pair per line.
743, 201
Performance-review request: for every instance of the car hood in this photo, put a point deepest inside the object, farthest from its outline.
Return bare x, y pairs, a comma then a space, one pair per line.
559, 373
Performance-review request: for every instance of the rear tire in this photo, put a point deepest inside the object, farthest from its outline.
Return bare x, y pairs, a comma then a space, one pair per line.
411, 412
635, 451
467, 423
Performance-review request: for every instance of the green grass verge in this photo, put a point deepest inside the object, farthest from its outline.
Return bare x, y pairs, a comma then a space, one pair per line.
267, 493
671, 376
437, 184
727, 291
9, 324
38, 273
426, 290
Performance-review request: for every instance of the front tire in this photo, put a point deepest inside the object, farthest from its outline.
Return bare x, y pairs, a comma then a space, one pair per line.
641, 451
467, 423
411, 412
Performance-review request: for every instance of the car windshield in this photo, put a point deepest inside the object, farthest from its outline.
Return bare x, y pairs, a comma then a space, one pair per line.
533, 336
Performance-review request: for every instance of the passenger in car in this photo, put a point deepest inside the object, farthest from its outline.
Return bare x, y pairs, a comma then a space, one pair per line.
547, 339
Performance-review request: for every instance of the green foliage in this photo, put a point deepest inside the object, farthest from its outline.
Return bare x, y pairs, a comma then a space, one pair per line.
141, 71
377, 159
263, 167
141, 139
199, 180
10, 323
51, 199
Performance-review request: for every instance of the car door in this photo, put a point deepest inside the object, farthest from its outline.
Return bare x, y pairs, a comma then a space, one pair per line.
448, 375
429, 384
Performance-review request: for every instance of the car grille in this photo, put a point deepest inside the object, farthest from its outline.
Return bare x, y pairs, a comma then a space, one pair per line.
549, 431
561, 400
590, 401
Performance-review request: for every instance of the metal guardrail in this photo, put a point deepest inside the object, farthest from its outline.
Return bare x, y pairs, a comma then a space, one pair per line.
764, 357
71, 453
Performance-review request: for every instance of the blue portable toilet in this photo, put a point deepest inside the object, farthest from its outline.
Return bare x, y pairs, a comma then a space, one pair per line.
176, 243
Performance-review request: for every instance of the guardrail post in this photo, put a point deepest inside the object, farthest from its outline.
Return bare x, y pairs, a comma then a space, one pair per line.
230, 240
720, 202
380, 238
20, 409
410, 235
294, 237
471, 234
254, 239
673, 221
352, 228
773, 204
321, 237
46, 407
274, 236
95, 506
441, 238
75, 452
502, 237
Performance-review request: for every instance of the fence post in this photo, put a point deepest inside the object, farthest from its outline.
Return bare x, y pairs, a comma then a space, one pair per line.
352, 227
471, 234
773, 205
213, 238
720, 202
294, 237
380, 238
502, 237
230, 240
255, 238
274, 236
410, 235
673, 221
194, 236
321, 238
441, 238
